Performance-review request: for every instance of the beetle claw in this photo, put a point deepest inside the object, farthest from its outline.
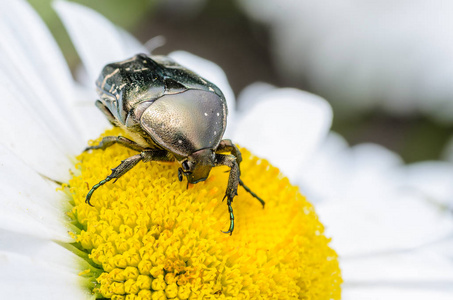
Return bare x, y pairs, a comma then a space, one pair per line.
87, 199
226, 232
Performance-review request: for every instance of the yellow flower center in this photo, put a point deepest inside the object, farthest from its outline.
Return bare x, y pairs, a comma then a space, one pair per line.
148, 236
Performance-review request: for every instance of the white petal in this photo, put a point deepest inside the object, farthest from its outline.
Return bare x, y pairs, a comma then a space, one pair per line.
382, 223
369, 66
214, 74
285, 126
339, 172
96, 39
416, 267
30, 204
432, 179
396, 292
324, 177
443, 248
370, 156
26, 50
94, 121
42, 250
251, 95
131, 44
404, 274
369, 170
155, 42
38, 49
38, 144
40, 270
24, 278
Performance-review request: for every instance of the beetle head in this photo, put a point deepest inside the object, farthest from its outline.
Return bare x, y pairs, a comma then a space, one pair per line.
196, 167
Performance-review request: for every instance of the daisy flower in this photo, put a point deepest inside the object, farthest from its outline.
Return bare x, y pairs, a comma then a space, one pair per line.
389, 248
147, 236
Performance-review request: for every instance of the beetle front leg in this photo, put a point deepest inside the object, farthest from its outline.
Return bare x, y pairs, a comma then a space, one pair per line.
111, 140
233, 182
106, 112
127, 164
227, 145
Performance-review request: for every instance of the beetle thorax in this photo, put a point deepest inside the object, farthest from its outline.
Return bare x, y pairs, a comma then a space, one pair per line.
187, 122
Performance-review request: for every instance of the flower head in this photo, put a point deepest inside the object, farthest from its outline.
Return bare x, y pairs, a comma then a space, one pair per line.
149, 234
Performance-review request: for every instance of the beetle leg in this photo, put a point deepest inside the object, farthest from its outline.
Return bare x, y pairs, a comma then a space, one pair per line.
227, 145
157, 155
251, 193
233, 181
111, 140
117, 172
127, 164
106, 112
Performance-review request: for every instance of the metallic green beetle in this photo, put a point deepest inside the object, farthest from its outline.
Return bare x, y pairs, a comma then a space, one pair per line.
172, 114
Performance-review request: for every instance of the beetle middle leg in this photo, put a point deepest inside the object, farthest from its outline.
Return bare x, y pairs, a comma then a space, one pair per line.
111, 140
126, 165
251, 192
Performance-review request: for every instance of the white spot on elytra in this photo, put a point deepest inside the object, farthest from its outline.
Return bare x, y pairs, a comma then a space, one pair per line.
206, 114
215, 132
218, 114
180, 141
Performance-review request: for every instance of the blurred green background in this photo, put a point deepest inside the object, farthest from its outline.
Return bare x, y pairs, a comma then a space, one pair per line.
219, 31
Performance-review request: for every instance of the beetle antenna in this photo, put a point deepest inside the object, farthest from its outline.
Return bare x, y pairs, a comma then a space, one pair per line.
251, 193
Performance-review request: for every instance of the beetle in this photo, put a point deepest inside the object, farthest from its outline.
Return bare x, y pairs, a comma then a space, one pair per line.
172, 115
